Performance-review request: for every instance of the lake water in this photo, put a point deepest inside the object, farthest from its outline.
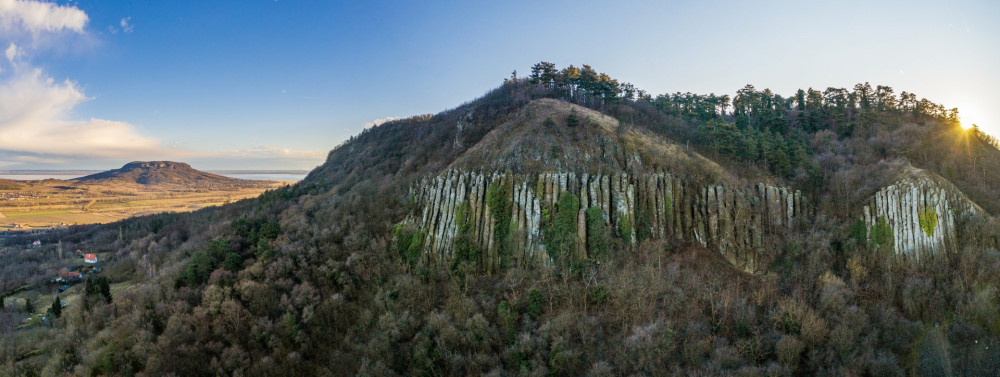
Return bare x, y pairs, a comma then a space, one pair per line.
37, 177
258, 177
267, 177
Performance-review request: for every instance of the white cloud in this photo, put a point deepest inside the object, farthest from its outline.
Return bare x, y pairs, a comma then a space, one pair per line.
35, 118
39, 16
126, 26
379, 121
13, 52
267, 151
37, 124
39, 160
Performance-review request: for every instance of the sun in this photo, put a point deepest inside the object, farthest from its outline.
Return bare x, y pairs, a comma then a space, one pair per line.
969, 116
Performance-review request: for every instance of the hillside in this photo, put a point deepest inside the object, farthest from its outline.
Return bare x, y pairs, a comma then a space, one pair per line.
7, 184
564, 224
160, 173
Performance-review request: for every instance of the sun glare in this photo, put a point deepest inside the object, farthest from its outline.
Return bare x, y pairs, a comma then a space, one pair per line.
969, 116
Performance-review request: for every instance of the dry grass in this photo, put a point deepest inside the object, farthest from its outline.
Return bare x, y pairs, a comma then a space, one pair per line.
537, 139
48, 203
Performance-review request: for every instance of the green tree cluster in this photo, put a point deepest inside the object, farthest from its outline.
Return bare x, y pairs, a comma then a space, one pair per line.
582, 82
779, 153
560, 238
881, 235
928, 219
256, 235
203, 263
597, 233
499, 200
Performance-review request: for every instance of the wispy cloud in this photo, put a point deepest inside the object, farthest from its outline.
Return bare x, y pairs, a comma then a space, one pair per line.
126, 24
39, 16
39, 160
261, 156
379, 121
267, 151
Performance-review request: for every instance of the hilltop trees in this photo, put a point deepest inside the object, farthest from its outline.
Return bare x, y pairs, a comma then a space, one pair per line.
754, 126
543, 73
814, 110
583, 82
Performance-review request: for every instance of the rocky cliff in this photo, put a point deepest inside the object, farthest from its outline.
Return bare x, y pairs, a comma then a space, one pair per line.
916, 215
656, 205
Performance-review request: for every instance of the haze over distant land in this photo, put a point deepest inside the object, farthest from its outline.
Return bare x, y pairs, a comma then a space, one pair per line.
277, 84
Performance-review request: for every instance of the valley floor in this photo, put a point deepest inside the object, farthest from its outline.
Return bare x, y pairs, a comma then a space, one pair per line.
51, 203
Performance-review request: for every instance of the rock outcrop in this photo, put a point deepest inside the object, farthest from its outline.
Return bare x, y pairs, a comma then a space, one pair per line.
919, 211
658, 205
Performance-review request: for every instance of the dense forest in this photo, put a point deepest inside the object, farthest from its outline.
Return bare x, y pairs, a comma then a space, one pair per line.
312, 279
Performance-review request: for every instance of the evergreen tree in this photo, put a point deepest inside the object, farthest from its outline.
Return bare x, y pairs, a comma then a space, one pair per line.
864, 95
588, 80
56, 307
90, 289
885, 97
572, 120
569, 77
28, 307
105, 288
543, 73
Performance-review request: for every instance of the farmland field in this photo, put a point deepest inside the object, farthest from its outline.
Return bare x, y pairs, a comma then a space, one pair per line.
43, 204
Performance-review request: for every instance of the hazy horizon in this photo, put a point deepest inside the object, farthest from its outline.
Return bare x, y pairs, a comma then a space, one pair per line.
276, 84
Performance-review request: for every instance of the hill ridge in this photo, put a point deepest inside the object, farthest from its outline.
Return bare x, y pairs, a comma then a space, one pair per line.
160, 173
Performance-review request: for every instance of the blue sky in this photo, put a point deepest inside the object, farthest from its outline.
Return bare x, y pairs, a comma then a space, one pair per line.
277, 84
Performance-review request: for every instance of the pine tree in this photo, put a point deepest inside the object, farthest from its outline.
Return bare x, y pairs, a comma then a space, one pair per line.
56, 307
105, 289
28, 307
90, 288
572, 120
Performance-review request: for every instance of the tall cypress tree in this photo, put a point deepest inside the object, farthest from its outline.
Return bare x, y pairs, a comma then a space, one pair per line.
105, 288
56, 307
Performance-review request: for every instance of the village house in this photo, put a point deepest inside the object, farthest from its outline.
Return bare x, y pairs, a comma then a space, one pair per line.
66, 276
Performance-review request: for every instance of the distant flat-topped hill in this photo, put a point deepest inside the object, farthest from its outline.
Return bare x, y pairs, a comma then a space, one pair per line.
162, 173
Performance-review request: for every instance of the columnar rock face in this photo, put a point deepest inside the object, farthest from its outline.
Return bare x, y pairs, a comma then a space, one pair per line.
921, 214
658, 205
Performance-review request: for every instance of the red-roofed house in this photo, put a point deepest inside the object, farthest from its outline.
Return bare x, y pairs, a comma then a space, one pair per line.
69, 276
90, 258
